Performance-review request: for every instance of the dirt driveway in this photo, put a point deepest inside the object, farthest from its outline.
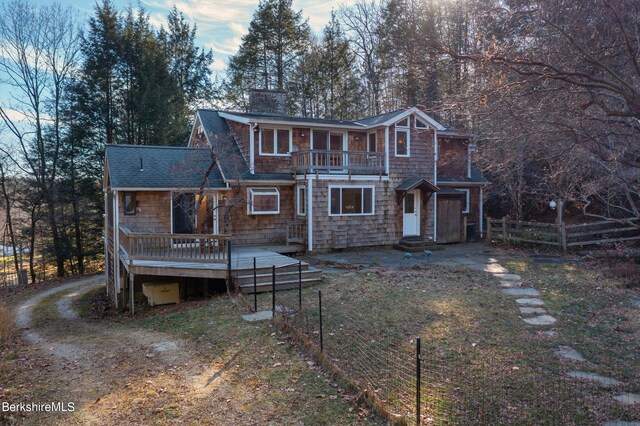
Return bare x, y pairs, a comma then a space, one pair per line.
116, 372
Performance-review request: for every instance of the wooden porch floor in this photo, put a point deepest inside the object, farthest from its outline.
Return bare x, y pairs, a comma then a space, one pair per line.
241, 260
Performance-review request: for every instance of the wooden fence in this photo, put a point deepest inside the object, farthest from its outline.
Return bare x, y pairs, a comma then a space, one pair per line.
562, 235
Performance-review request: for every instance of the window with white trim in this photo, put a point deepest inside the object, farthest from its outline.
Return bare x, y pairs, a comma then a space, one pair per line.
351, 200
275, 141
372, 142
263, 201
465, 209
301, 200
402, 142
421, 124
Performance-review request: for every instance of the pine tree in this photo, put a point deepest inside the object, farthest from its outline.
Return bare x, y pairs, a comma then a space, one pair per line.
276, 40
189, 65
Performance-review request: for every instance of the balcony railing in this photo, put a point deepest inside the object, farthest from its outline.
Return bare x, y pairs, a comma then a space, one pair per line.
173, 247
357, 162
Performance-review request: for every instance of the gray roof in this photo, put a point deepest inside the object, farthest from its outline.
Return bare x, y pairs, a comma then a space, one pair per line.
379, 119
233, 164
416, 182
256, 116
162, 167
476, 177
451, 191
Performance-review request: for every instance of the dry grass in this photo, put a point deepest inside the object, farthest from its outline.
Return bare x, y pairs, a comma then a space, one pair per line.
481, 362
6, 323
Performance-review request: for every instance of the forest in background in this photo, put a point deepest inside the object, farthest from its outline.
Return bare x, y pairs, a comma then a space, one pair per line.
550, 88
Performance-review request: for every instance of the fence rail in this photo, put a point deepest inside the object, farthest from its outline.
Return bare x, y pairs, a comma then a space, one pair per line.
174, 247
562, 235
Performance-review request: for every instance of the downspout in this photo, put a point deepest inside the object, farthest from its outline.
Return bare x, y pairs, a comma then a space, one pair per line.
106, 238
252, 148
481, 212
386, 150
435, 181
309, 213
116, 247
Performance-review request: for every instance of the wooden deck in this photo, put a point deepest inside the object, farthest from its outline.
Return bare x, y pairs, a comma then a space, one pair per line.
241, 262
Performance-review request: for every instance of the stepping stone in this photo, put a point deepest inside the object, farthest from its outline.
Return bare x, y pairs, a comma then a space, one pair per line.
496, 268
540, 320
529, 310
508, 277
526, 301
510, 284
569, 353
258, 316
592, 377
620, 423
626, 398
520, 292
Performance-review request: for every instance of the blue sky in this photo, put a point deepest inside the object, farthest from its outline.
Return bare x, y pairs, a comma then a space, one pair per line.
221, 23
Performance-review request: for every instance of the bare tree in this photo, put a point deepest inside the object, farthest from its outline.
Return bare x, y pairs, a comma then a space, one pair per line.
361, 22
38, 53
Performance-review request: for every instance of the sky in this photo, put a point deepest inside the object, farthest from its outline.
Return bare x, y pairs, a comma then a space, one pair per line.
221, 23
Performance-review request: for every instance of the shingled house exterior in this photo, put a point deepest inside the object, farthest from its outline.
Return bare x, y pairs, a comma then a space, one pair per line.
302, 184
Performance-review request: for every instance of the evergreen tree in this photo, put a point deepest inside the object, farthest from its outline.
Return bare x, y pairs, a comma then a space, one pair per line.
276, 40
325, 84
189, 65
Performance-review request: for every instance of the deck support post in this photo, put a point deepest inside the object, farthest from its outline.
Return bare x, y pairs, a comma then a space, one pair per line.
132, 293
228, 266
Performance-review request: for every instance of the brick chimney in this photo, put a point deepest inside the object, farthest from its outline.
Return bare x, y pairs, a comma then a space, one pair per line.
269, 101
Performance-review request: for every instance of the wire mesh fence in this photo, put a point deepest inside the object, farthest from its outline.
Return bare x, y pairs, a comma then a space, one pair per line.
416, 381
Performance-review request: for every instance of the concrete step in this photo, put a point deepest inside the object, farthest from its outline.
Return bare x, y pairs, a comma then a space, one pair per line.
266, 277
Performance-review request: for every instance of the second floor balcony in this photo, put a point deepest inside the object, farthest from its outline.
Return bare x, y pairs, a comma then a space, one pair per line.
339, 162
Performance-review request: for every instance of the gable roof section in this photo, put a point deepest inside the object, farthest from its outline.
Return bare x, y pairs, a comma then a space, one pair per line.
162, 168
416, 182
377, 120
280, 119
233, 165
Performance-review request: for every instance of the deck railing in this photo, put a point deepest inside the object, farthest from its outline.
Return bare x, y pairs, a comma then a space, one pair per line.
295, 232
174, 247
360, 162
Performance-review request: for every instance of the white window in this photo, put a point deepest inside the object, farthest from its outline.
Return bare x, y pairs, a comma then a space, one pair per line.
351, 200
372, 142
403, 140
263, 201
403, 123
421, 124
466, 200
275, 141
301, 200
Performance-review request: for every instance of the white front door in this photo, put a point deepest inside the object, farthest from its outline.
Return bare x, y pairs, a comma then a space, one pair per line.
411, 214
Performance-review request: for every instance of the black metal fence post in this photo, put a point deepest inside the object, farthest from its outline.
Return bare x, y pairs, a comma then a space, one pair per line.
300, 286
320, 309
255, 287
273, 291
418, 380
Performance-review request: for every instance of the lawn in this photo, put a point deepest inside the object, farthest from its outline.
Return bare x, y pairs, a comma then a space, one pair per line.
481, 363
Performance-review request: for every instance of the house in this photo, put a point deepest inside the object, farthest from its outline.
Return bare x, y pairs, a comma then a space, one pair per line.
263, 178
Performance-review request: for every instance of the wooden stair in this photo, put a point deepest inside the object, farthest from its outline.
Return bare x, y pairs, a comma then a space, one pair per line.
285, 279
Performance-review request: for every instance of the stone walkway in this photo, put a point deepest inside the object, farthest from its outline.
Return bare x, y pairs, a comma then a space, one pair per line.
529, 300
